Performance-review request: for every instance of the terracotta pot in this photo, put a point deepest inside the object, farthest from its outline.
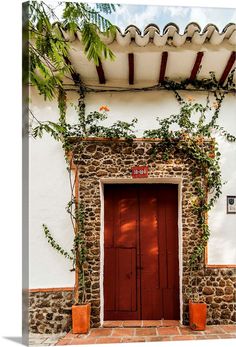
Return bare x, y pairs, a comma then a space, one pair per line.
197, 315
81, 318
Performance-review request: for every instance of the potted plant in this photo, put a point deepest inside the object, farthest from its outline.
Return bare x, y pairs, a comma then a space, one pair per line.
81, 308
197, 307
88, 126
81, 318
197, 315
197, 311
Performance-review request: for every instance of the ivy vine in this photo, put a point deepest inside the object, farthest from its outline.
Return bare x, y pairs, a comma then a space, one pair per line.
210, 83
54, 244
195, 140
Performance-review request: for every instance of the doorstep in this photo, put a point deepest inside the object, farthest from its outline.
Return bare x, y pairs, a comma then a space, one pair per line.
140, 323
148, 333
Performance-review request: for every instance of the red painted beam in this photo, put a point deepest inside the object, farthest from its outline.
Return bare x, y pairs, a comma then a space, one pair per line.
75, 76
100, 73
163, 66
196, 66
131, 68
228, 67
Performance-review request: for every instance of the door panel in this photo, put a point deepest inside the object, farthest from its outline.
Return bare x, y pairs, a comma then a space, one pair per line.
171, 304
141, 271
110, 279
126, 219
126, 273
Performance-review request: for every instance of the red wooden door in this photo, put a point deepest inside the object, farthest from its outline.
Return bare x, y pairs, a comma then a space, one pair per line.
141, 272
121, 283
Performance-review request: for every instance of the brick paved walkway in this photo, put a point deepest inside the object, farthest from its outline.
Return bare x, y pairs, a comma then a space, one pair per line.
144, 331
44, 339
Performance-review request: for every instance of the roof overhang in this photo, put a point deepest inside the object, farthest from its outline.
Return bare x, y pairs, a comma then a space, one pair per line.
146, 59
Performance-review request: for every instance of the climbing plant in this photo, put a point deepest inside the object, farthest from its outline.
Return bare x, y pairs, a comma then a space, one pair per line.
87, 125
208, 83
191, 133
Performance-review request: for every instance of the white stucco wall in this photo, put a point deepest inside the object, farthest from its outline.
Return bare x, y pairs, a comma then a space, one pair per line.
222, 244
49, 190
49, 194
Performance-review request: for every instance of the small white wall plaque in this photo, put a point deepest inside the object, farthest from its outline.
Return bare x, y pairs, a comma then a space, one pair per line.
231, 204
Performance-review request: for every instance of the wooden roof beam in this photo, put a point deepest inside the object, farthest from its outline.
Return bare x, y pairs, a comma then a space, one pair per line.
75, 76
228, 67
100, 72
196, 66
131, 68
164, 58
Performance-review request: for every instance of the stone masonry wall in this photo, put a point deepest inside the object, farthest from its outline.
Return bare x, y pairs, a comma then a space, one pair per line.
50, 312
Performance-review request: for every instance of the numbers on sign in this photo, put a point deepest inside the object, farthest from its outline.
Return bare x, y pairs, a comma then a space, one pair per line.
140, 172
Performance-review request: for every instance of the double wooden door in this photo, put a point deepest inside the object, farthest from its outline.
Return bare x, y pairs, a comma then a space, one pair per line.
141, 268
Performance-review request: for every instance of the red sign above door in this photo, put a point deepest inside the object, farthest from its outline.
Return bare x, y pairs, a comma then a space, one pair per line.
139, 171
